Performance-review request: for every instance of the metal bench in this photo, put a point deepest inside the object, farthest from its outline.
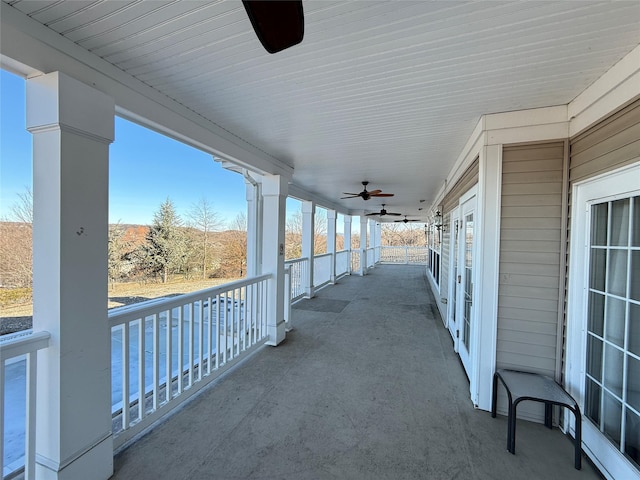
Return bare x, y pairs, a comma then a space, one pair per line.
539, 388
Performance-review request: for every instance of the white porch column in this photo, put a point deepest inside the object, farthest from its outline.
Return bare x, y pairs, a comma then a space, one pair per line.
308, 243
378, 240
331, 242
274, 194
486, 275
254, 225
372, 239
347, 240
72, 126
363, 244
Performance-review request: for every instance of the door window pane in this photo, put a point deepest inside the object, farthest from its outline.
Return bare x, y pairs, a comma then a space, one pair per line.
596, 313
634, 287
592, 401
598, 268
612, 418
594, 357
599, 224
617, 270
632, 437
613, 374
634, 329
616, 310
633, 382
620, 222
635, 223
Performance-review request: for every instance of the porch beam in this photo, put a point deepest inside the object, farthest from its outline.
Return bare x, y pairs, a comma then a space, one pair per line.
331, 243
347, 240
363, 244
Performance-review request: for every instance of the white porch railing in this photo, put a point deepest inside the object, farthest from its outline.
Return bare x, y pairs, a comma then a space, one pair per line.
371, 257
165, 351
343, 259
19, 352
299, 268
355, 260
404, 254
322, 270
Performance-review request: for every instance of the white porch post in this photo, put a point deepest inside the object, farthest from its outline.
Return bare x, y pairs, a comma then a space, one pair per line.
254, 225
347, 240
372, 239
363, 244
274, 193
331, 242
72, 126
378, 240
486, 275
308, 242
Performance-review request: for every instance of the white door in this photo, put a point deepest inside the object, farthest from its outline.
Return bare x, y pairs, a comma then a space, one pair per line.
465, 282
454, 248
606, 322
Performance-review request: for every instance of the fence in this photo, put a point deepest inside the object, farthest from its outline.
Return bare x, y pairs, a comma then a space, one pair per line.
164, 351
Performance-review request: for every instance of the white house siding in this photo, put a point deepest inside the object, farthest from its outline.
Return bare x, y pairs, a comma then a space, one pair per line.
530, 249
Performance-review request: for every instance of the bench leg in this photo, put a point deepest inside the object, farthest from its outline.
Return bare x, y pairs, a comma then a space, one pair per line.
548, 415
578, 439
511, 435
494, 395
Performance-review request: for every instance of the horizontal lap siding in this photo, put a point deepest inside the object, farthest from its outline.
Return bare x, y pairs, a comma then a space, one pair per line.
468, 180
530, 241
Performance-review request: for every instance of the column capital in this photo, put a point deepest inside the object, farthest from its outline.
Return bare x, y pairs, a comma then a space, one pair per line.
57, 101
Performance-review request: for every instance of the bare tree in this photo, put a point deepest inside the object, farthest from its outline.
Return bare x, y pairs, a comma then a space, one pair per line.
204, 219
233, 248
16, 243
119, 251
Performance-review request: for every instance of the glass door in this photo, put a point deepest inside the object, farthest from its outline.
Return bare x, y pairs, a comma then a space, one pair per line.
454, 277
612, 373
465, 280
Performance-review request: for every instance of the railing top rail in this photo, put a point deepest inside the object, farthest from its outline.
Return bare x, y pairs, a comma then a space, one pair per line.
296, 260
125, 313
322, 255
26, 342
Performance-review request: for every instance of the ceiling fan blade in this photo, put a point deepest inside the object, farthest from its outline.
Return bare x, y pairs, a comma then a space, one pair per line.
349, 193
278, 24
394, 214
372, 214
352, 196
381, 194
374, 192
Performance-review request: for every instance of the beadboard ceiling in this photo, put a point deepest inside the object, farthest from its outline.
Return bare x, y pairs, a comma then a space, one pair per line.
382, 91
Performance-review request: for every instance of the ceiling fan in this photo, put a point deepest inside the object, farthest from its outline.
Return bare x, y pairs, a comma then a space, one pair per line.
383, 212
366, 195
406, 220
278, 24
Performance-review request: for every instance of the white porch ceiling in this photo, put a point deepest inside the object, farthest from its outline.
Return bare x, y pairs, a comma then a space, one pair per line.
382, 91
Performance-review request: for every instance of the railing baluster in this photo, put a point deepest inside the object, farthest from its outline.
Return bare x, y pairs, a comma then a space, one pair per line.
125, 375
30, 420
141, 367
191, 344
180, 348
168, 389
200, 338
156, 360
209, 334
218, 321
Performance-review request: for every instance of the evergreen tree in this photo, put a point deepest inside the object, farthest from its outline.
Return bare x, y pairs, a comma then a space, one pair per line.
166, 246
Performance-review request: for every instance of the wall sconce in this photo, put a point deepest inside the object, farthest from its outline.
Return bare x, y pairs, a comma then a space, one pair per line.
438, 221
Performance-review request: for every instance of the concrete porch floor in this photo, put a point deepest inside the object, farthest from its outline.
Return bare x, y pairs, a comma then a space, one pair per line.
367, 386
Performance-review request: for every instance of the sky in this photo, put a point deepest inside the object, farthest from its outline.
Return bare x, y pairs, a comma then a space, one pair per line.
145, 168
